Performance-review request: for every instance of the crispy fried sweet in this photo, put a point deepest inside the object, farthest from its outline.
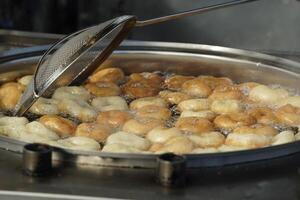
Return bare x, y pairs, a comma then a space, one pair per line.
175, 82
10, 94
196, 125
62, 126
111, 75
234, 120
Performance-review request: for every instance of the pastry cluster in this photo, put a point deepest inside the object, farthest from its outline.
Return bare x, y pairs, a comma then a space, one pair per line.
152, 112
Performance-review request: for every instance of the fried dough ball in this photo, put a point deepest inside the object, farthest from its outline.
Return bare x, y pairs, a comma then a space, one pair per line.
283, 137
233, 120
98, 132
247, 87
120, 148
111, 75
289, 115
113, 118
227, 92
78, 109
142, 85
12, 131
141, 126
174, 97
45, 106
226, 106
62, 126
257, 129
37, 132
209, 139
163, 134
128, 139
154, 79
103, 104
228, 148
175, 82
103, 89
194, 105
204, 150
207, 114
11, 121
147, 101
196, 125
152, 111
294, 101
265, 94
77, 143
177, 145
263, 115
155, 147
25, 80
197, 88
71, 92
214, 82
10, 94
248, 140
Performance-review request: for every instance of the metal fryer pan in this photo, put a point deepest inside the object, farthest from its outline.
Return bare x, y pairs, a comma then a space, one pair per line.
186, 59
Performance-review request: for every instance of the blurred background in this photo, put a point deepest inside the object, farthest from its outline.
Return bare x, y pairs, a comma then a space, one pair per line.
266, 25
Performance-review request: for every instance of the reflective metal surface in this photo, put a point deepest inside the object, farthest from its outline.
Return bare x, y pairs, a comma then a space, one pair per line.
179, 58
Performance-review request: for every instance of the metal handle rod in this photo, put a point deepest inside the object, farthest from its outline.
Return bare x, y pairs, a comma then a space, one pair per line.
190, 12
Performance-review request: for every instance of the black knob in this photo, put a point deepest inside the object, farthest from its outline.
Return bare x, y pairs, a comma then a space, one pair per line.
37, 159
171, 170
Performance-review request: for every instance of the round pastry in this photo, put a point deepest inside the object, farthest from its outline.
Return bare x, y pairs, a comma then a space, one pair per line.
162, 134
196, 125
103, 104
120, 148
114, 118
233, 120
196, 88
71, 92
204, 150
227, 92
147, 101
111, 75
128, 139
214, 82
207, 114
257, 129
175, 82
25, 80
10, 94
209, 139
264, 94
284, 137
141, 126
77, 143
174, 97
103, 89
194, 105
62, 126
177, 145
289, 115
248, 140
142, 85
226, 106
152, 111
263, 115
78, 109
45, 106
98, 132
